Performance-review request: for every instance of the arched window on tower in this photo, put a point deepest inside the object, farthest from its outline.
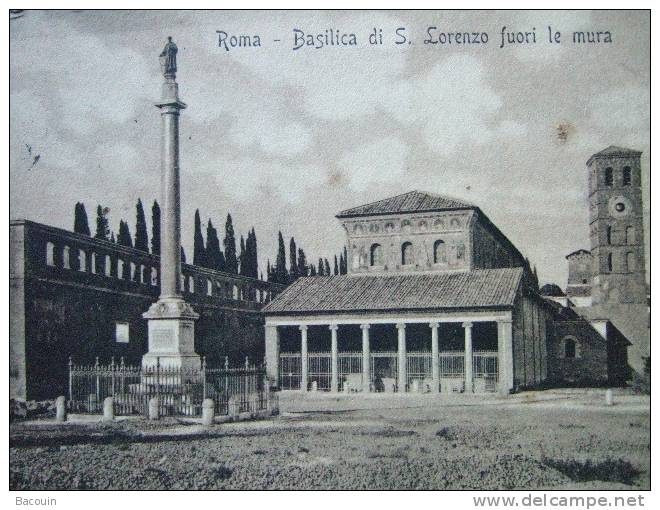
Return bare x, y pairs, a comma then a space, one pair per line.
50, 254
627, 176
120, 269
108, 265
82, 260
609, 234
66, 258
630, 235
407, 256
610, 262
630, 262
609, 176
439, 252
376, 255
570, 350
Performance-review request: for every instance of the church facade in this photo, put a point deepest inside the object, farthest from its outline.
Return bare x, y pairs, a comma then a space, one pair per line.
438, 299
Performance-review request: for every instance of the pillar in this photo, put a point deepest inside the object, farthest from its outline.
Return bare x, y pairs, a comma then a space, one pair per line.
334, 380
435, 358
468, 357
402, 379
171, 323
272, 355
303, 359
366, 359
505, 356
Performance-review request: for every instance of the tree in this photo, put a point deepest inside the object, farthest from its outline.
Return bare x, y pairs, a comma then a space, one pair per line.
80, 223
252, 258
269, 272
141, 236
320, 267
199, 251
231, 264
155, 228
242, 259
281, 275
293, 260
336, 266
102, 227
303, 270
183, 255
344, 269
214, 256
312, 270
326, 270
124, 237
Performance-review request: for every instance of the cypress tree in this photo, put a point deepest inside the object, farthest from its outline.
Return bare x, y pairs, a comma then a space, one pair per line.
312, 270
102, 228
269, 272
320, 267
293, 260
183, 255
155, 228
199, 251
214, 256
231, 264
242, 259
326, 271
254, 257
124, 237
303, 270
112, 237
80, 223
141, 236
345, 261
336, 266
281, 275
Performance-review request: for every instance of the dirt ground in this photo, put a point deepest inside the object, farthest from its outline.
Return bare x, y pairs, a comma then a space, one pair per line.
566, 439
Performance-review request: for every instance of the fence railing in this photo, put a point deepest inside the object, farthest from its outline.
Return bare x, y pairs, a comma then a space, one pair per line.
383, 370
180, 391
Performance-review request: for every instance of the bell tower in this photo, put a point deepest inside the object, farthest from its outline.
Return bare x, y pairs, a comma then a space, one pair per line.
616, 227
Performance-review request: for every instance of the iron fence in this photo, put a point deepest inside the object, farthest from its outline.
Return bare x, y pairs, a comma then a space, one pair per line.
180, 391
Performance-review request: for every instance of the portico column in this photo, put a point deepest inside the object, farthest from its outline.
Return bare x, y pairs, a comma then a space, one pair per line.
403, 374
435, 358
303, 359
505, 356
468, 357
272, 354
334, 380
366, 358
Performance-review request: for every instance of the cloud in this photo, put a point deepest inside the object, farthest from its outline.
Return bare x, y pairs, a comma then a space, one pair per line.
381, 161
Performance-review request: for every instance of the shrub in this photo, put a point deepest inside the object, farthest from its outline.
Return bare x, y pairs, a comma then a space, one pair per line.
609, 470
642, 383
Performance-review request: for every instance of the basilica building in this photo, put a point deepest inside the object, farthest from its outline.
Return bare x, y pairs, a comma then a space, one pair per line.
438, 299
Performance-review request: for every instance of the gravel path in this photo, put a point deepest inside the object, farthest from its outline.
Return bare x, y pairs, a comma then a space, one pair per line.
585, 445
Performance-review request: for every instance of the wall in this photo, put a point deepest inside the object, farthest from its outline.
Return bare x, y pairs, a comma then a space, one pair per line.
531, 324
58, 312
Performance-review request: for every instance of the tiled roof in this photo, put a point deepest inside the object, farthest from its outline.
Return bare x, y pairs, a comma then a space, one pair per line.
413, 201
614, 151
473, 289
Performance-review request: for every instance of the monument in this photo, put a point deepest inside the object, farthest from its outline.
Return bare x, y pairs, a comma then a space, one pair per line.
171, 320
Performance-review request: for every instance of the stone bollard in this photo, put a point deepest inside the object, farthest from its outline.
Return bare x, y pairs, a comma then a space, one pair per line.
208, 411
154, 408
109, 409
315, 386
609, 398
60, 409
233, 407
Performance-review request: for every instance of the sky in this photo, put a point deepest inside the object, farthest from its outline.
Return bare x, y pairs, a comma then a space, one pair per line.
284, 139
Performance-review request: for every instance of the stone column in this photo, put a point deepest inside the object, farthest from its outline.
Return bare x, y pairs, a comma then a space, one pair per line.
402, 379
435, 357
505, 356
272, 354
334, 381
366, 359
468, 357
171, 319
303, 359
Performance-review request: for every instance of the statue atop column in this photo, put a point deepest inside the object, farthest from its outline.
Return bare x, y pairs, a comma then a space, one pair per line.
168, 59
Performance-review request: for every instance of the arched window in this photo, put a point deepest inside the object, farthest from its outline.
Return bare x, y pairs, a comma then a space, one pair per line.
610, 262
627, 176
209, 288
50, 254
134, 275
234, 292
82, 260
407, 255
191, 284
376, 255
182, 282
439, 252
92, 263
631, 262
108, 266
630, 235
120, 269
609, 176
570, 348
66, 258
154, 276
257, 296
609, 234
